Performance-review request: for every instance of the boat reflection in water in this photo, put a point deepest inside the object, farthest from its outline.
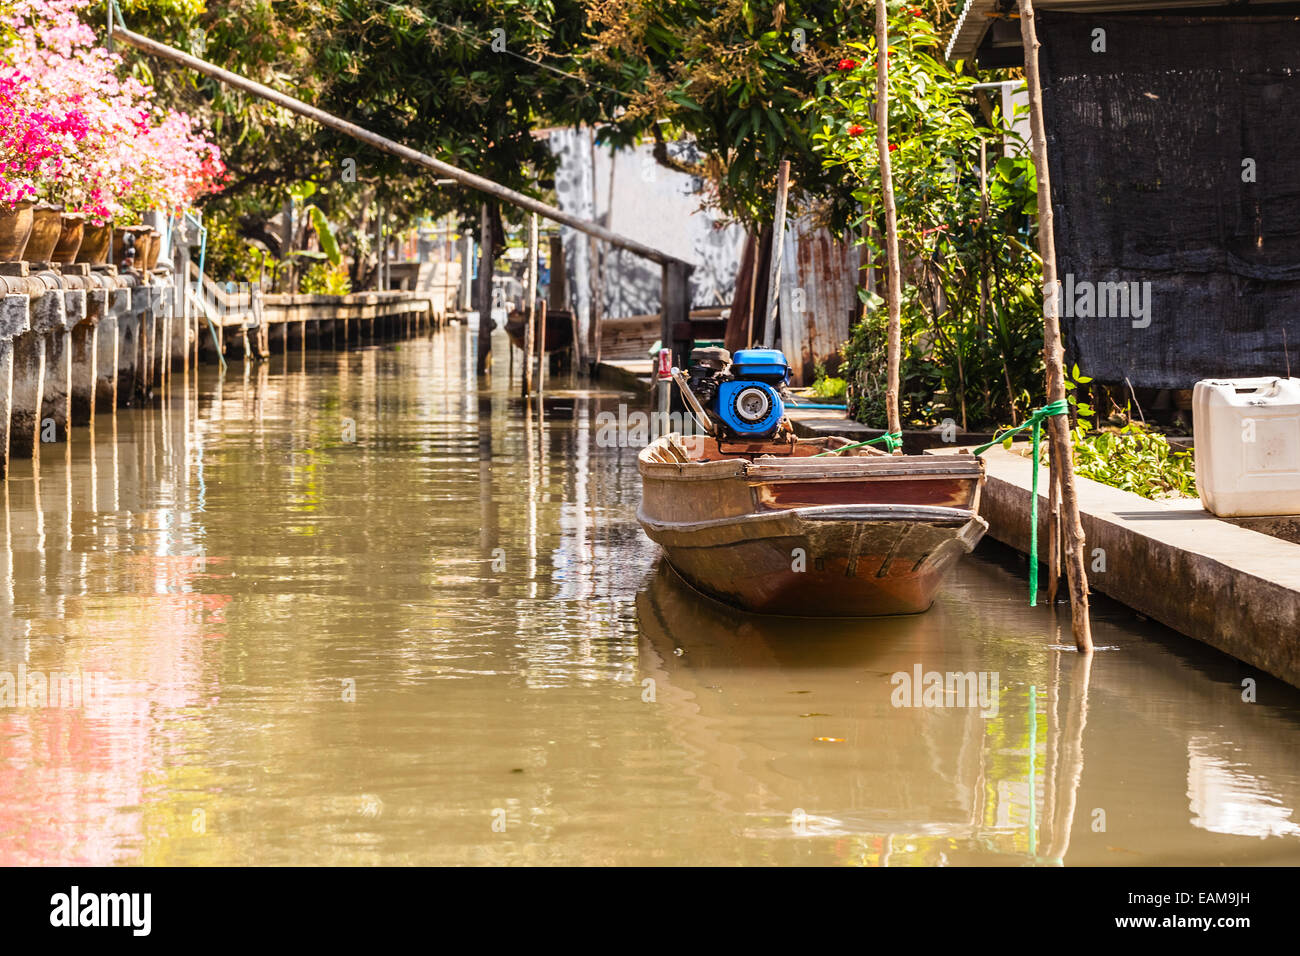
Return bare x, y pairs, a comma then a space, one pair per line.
793, 724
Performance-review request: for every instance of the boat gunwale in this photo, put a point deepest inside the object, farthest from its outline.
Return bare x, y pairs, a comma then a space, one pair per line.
915, 467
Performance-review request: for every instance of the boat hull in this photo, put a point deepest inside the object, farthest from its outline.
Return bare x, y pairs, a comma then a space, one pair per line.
559, 330
836, 537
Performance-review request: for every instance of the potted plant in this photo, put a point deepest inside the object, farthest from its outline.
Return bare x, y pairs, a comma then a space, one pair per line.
152, 250
47, 225
74, 133
94, 243
72, 226
15, 228
129, 244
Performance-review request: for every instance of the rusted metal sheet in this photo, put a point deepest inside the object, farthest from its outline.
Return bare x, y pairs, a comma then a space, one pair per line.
629, 190
819, 297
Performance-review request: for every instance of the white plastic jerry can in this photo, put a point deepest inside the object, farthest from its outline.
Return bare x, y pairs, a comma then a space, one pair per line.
1247, 435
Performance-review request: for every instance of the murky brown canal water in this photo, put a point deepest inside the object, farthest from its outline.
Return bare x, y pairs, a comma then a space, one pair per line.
448, 642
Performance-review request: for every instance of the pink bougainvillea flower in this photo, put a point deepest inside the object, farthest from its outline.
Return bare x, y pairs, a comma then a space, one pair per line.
73, 132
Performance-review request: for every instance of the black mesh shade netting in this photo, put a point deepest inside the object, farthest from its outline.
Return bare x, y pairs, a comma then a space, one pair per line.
1151, 146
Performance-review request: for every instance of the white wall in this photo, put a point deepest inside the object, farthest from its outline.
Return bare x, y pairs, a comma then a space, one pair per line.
652, 204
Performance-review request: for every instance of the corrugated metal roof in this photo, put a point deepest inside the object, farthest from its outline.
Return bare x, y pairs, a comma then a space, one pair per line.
970, 29
976, 20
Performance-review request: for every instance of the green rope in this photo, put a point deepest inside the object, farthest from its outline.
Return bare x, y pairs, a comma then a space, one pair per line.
892, 441
1034, 421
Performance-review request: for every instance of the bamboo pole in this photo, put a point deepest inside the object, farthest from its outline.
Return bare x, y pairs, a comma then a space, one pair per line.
1058, 428
778, 249
541, 356
532, 306
593, 259
893, 284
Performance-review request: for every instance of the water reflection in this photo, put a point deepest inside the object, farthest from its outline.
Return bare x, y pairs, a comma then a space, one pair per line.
446, 640
795, 726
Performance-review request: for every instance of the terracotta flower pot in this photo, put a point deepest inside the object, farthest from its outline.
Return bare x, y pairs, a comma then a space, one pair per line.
94, 244
15, 228
46, 226
127, 244
144, 243
72, 226
151, 253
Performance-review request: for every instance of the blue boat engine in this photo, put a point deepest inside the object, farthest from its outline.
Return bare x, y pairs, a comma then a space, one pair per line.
742, 394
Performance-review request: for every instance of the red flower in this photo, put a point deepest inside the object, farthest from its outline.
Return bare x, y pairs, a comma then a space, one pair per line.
846, 64
893, 146
856, 130
915, 11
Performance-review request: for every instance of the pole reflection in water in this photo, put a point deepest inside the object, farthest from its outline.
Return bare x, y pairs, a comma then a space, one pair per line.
444, 639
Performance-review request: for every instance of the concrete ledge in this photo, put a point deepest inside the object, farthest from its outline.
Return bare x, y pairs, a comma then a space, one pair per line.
631, 374
821, 422
1230, 587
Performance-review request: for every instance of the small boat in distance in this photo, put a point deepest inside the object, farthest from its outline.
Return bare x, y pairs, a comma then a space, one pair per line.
773, 524
559, 329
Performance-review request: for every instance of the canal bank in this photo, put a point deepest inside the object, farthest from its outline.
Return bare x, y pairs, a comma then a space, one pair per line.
1231, 587
1234, 585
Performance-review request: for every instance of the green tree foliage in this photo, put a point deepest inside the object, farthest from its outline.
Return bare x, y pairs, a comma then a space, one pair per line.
971, 348
733, 76
468, 82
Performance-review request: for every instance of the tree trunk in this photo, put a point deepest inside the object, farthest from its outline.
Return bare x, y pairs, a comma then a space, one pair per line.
893, 281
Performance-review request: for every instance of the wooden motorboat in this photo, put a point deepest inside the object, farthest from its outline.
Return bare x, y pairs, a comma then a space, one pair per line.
770, 528
559, 329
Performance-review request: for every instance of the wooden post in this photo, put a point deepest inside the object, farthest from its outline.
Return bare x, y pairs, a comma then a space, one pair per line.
893, 282
778, 248
756, 245
541, 356
675, 303
1058, 427
558, 291
484, 291
381, 248
593, 261
527, 382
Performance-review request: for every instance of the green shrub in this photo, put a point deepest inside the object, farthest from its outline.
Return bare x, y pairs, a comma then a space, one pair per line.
1135, 458
325, 279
